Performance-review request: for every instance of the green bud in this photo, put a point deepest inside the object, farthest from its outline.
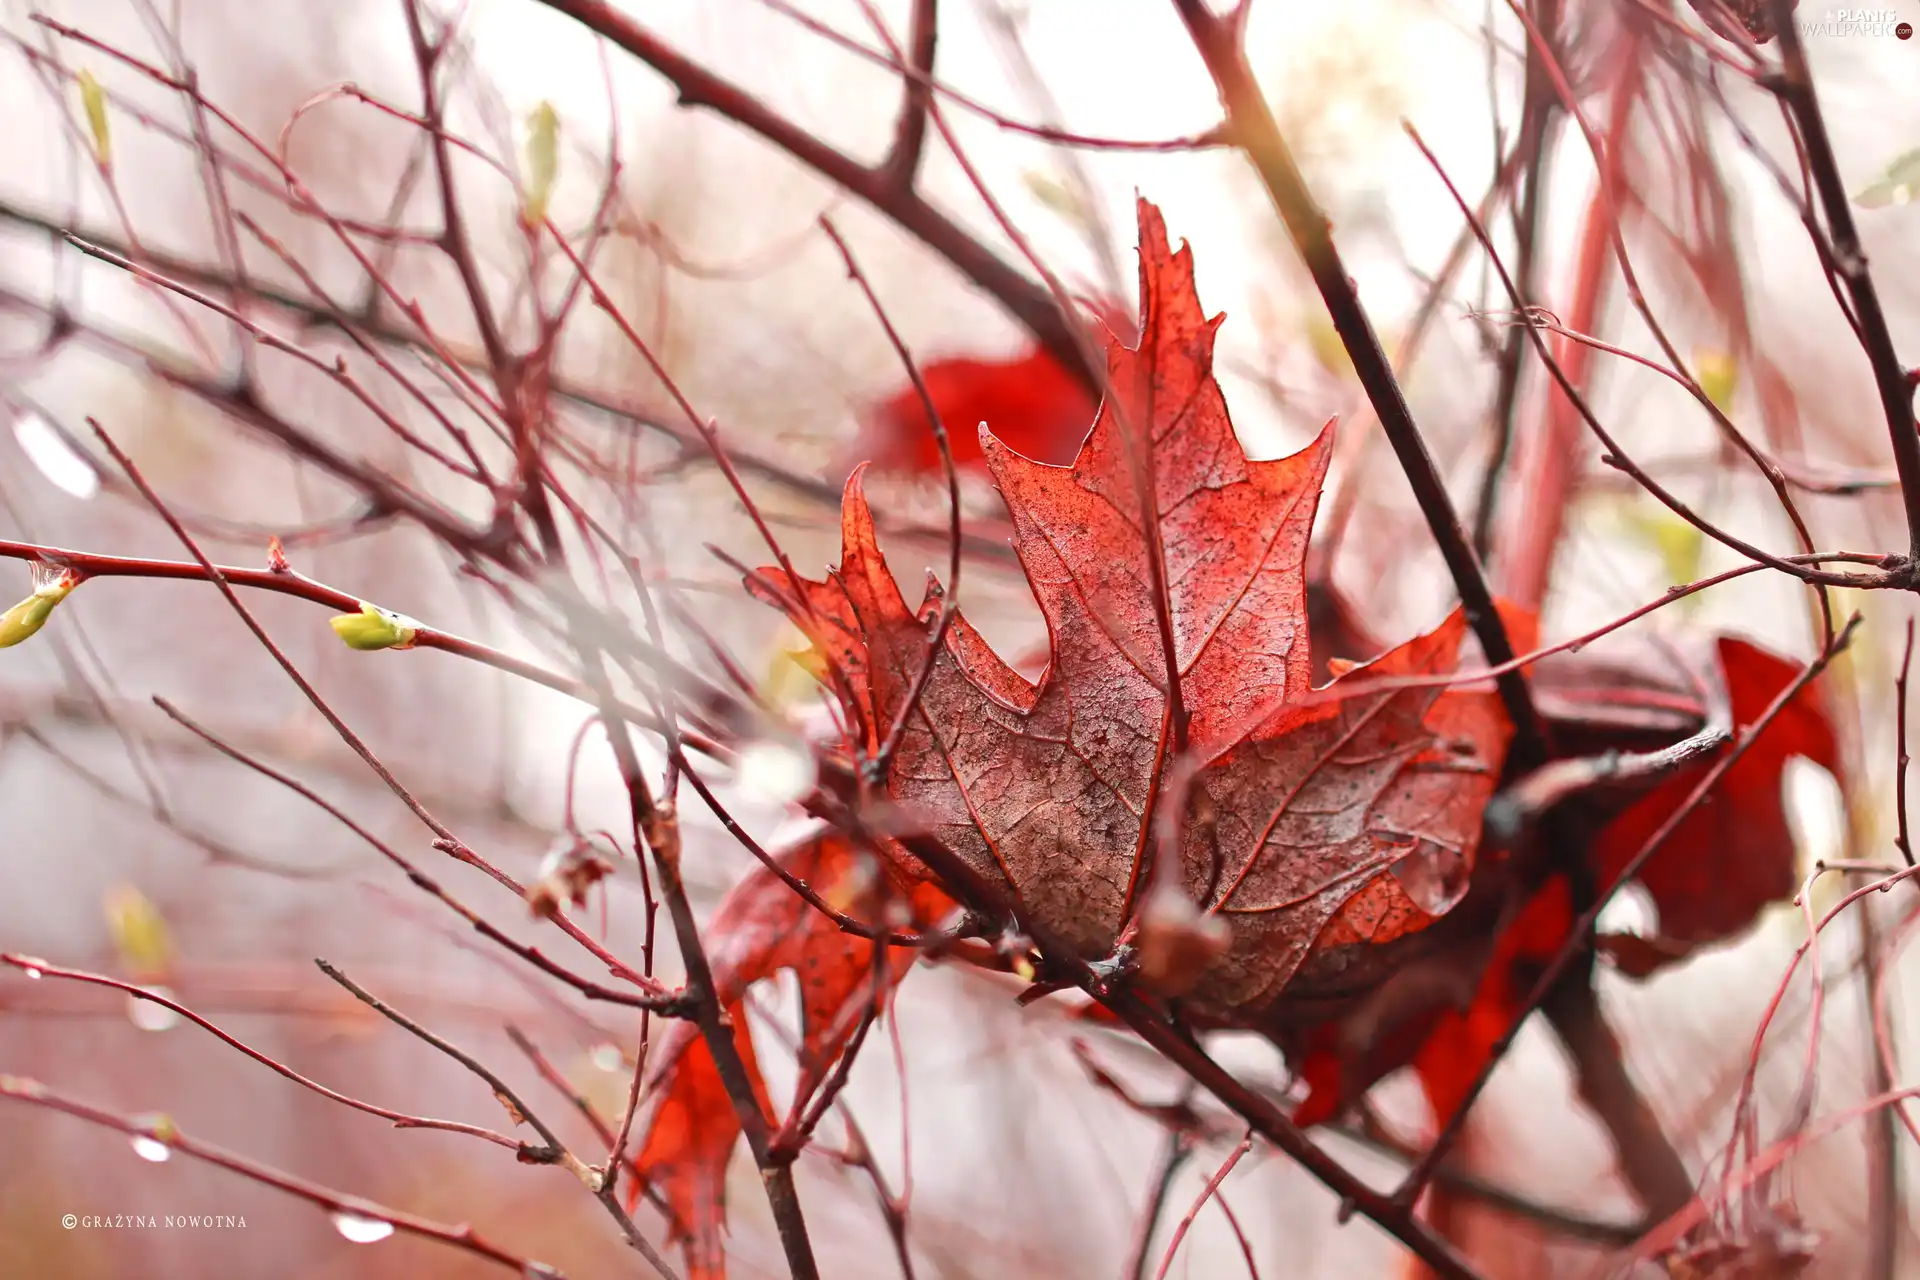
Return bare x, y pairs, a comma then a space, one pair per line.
20, 622
1718, 375
51, 585
375, 628
1900, 184
1679, 544
93, 100
1055, 195
140, 934
543, 160
1328, 346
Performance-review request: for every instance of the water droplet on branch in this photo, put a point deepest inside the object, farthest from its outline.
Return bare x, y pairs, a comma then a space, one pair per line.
148, 1016
361, 1230
64, 466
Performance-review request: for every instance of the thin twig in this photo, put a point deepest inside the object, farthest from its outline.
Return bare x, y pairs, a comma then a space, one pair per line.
649, 997
400, 1119
950, 598
1033, 306
1176, 1151
555, 1151
90, 565
1886, 1207
1536, 142
460, 1237
910, 132
1794, 86
1206, 1194
1578, 938
1892, 576
1902, 841
1219, 42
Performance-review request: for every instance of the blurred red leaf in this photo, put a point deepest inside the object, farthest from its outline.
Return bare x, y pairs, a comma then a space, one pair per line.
1728, 859
1461, 1043
1338, 820
690, 1140
1734, 854
1031, 401
760, 928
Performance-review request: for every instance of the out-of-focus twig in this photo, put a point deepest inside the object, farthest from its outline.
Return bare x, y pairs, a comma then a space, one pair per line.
36, 967
1219, 42
1033, 306
1794, 86
461, 1237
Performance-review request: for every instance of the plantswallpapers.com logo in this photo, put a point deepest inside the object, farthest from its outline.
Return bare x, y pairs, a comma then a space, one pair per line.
1855, 22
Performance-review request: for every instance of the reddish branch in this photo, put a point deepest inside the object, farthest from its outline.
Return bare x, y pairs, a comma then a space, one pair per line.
1794, 85
1547, 471
656, 828
914, 73
1892, 574
910, 132
1613, 197
650, 996
1578, 940
1259, 1112
1207, 1193
461, 1237
1538, 133
936, 640
288, 583
1219, 42
1032, 305
400, 1119
596, 1179
1903, 841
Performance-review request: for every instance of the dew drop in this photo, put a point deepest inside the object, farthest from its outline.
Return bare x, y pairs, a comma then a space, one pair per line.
148, 1016
58, 460
361, 1230
776, 772
151, 1149
32, 972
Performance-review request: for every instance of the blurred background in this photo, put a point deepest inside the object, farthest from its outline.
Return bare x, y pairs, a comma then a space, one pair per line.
132, 848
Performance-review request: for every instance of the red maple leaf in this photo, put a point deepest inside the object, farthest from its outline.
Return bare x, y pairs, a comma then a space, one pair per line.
1174, 749
1734, 854
1320, 824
